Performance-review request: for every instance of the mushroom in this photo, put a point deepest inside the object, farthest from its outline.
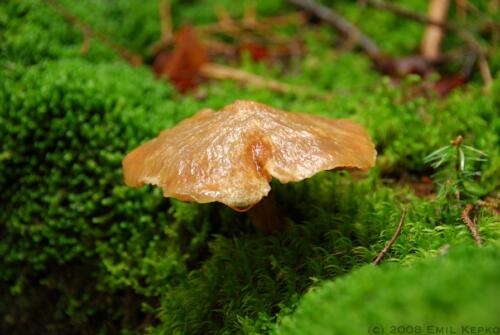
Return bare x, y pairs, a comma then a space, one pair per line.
231, 155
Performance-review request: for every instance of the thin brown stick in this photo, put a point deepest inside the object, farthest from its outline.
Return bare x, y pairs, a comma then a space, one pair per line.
471, 224
431, 42
484, 68
249, 22
223, 72
462, 6
87, 32
249, 16
392, 240
494, 5
265, 24
224, 17
345, 27
492, 202
165, 11
476, 11
167, 32
85, 47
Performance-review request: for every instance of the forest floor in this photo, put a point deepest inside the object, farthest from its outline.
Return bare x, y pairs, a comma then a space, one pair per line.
84, 82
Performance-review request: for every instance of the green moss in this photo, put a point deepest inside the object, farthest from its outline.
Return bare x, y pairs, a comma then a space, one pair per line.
454, 291
80, 252
66, 126
382, 25
337, 225
31, 31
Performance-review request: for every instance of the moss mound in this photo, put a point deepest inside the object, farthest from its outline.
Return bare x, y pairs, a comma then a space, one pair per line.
459, 290
337, 225
70, 229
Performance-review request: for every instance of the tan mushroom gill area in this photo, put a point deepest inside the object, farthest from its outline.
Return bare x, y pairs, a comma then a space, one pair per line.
231, 155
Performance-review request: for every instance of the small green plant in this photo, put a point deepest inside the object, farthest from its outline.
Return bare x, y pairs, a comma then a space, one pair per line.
458, 170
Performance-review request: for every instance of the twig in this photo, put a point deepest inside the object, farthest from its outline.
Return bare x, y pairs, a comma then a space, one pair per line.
87, 31
345, 27
167, 33
431, 42
484, 68
462, 6
392, 240
249, 16
489, 22
494, 4
262, 24
474, 10
463, 34
471, 224
223, 72
224, 17
165, 10
492, 203
85, 47
250, 28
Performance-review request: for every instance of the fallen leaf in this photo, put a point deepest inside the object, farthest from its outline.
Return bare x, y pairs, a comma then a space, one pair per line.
182, 66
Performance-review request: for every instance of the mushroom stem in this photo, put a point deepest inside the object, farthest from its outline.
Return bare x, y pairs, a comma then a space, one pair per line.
266, 216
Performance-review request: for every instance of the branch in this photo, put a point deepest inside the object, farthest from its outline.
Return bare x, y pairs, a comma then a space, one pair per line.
466, 5
345, 27
462, 6
392, 240
490, 202
265, 24
471, 224
431, 42
165, 11
223, 72
167, 33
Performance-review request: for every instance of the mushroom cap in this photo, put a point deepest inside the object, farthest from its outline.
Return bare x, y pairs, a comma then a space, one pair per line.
230, 156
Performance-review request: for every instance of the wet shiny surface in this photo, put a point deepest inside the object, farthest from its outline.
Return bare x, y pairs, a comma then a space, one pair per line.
231, 155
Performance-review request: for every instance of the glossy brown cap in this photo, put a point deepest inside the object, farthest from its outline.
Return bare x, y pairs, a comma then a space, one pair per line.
230, 156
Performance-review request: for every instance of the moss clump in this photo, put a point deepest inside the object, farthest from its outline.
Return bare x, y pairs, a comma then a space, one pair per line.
70, 229
337, 225
31, 32
454, 291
